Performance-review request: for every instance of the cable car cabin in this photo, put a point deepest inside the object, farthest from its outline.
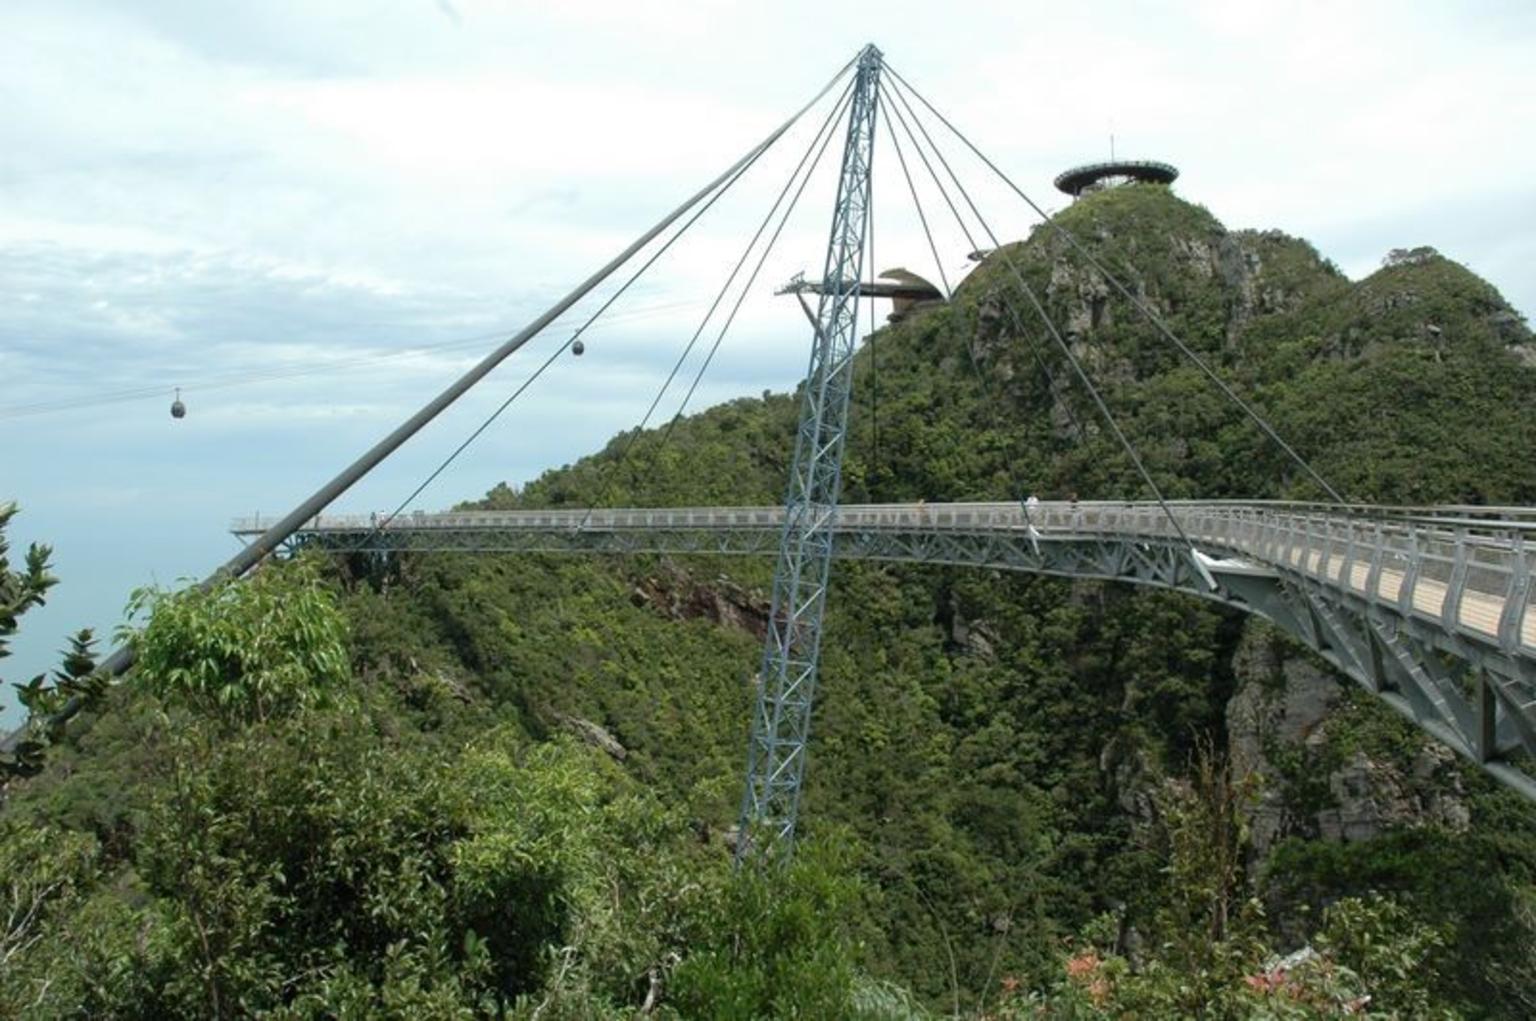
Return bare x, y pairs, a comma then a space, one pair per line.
577, 347
178, 409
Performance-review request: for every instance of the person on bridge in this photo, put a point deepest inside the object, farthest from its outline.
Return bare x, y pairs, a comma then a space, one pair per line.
1031, 508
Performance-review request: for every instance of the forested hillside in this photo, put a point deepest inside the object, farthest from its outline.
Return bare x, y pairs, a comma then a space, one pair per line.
458, 786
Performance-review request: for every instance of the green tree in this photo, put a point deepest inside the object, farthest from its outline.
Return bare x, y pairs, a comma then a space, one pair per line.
244, 650
20, 591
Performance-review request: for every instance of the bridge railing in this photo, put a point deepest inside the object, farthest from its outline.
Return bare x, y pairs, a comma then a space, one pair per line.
1466, 567
1090, 515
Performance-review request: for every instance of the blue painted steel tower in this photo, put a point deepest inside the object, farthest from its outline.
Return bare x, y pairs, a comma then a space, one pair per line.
781, 718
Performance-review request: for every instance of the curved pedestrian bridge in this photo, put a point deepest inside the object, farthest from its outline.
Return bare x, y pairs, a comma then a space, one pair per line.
1428, 608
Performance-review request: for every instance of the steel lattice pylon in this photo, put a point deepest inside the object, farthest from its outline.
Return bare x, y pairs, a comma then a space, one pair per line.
781, 717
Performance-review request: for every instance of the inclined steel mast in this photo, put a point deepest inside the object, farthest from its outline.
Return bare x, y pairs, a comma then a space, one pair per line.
786, 684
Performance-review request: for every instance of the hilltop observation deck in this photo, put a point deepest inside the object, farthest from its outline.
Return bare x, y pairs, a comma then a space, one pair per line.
1093, 176
908, 291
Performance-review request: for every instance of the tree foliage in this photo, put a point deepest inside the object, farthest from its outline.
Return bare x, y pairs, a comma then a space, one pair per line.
458, 787
244, 651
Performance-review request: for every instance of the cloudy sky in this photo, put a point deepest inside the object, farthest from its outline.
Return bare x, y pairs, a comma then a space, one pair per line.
311, 215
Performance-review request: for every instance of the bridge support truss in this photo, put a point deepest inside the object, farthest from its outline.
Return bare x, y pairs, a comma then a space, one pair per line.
781, 716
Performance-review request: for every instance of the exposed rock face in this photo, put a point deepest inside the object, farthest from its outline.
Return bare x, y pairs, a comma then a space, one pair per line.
1133, 777
1370, 797
1251, 274
1281, 700
595, 735
968, 637
1086, 295
1373, 797
1283, 709
679, 595
1260, 271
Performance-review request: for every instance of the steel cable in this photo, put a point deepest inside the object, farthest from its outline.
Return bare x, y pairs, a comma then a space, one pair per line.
819, 144
1066, 349
521, 389
1126, 292
987, 391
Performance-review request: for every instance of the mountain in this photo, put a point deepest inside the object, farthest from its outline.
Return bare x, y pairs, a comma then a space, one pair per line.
1023, 792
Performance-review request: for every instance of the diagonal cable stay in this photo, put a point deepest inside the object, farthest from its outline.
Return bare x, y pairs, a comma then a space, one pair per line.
1015, 479
555, 355
123, 657
917, 203
820, 145
1141, 306
1065, 348
874, 328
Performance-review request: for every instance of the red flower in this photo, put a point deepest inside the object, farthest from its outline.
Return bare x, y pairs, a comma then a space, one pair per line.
1083, 965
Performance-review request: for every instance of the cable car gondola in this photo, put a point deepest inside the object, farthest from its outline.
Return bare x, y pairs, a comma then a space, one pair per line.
577, 347
178, 409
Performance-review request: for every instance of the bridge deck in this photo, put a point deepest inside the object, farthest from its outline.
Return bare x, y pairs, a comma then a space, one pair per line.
1428, 608
1418, 558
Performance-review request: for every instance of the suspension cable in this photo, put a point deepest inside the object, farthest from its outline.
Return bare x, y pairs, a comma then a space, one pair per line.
1066, 349
818, 145
543, 366
555, 355
934, 175
1013, 473
1126, 292
124, 656
874, 329
1050, 377
917, 203
699, 376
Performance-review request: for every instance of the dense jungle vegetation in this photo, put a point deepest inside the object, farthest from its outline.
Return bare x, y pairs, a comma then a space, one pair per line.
446, 786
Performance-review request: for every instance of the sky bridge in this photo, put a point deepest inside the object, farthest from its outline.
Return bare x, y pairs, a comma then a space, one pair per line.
1428, 609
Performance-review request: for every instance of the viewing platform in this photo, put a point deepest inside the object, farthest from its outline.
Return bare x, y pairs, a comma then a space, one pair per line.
1092, 176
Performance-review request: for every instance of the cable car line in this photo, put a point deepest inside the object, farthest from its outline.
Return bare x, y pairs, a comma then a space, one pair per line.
278, 373
575, 337
123, 657
666, 434
577, 347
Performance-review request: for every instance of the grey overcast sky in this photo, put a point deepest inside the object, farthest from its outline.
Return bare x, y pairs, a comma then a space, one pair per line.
356, 196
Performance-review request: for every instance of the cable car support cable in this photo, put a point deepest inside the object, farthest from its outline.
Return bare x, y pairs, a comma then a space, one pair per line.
122, 658
572, 343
